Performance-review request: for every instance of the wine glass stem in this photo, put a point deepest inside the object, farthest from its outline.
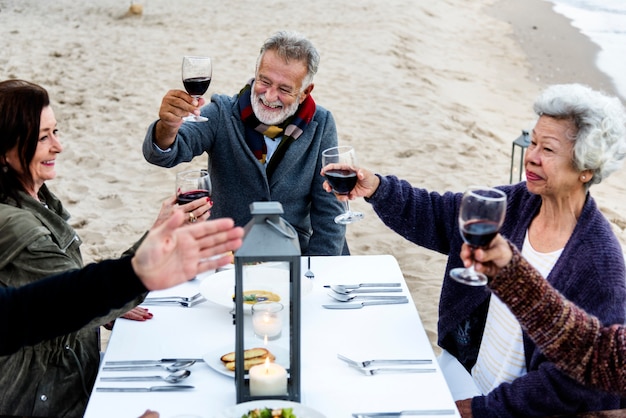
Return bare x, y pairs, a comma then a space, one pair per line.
471, 269
347, 206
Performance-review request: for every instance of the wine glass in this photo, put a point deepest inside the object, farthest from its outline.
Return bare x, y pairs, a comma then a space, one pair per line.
192, 185
480, 217
342, 180
197, 72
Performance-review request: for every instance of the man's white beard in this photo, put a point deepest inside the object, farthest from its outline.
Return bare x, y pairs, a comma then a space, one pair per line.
268, 117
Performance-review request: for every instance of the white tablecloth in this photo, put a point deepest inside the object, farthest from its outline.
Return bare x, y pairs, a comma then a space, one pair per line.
328, 384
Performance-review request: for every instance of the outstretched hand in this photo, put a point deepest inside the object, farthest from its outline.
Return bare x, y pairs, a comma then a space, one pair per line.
367, 182
488, 260
173, 253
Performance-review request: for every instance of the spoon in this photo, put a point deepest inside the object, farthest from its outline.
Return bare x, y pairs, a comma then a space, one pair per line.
348, 298
342, 290
174, 367
174, 377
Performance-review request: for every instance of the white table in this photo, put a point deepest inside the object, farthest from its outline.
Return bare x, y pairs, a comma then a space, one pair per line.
328, 384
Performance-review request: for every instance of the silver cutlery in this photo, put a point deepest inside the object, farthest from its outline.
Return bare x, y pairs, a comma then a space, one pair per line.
368, 363
174, 377
172, 302
175, 298
173, 388
347, 298
404, 413
150, 362
173, 367
372, 372
359, 305
344, 291
309, 274
360, 285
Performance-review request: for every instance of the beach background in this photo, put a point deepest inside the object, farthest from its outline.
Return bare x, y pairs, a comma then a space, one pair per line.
431, 91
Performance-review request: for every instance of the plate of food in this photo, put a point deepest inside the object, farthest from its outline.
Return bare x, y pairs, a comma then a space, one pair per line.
222, 360
257, 409
260, 284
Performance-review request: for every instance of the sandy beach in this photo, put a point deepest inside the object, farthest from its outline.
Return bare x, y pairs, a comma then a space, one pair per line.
433, 92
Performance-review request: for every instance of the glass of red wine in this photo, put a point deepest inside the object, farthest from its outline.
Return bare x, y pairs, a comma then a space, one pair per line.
342, 180
480, 217
192, 185
197, 72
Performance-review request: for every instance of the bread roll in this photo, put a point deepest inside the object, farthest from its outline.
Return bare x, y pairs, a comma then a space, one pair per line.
251, 356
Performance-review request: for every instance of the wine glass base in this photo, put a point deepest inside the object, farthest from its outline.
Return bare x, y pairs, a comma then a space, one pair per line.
348, 217
468, 277
194, 118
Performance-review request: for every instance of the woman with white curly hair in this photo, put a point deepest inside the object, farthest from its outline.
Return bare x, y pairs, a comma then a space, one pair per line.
578, 140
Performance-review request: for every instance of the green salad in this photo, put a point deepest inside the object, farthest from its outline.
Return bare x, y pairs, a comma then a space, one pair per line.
270, 413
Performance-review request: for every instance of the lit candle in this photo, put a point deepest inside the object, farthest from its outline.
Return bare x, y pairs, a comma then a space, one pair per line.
266, 319
268, 379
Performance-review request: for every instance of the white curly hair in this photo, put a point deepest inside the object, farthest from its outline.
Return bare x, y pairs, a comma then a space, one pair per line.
600, 140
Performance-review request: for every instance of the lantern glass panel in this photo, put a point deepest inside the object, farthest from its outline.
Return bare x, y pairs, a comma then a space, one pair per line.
267, 279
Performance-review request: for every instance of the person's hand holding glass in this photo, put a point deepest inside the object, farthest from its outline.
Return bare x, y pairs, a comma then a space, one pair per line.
193, 193
342, 178
481, 216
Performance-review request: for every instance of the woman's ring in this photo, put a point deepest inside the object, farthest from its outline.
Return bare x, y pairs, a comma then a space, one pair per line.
192, 217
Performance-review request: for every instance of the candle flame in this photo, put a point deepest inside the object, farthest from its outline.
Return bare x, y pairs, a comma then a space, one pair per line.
267, 365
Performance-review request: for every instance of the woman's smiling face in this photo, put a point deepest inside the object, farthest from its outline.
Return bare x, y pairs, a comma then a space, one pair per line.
42, 166
549, 165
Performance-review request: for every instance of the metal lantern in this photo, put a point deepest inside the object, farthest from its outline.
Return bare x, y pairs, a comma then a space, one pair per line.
269, 241
522, 141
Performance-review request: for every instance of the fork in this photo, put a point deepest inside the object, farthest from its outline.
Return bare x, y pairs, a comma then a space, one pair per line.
367, 363
372, 372
404, 413
309, 274
182, 303
175, 298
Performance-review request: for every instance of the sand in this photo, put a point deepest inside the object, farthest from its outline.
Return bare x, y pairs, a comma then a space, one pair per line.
433, 92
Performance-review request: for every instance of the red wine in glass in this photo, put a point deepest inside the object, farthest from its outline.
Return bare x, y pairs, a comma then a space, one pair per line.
196, 74
192, 195
342, 181
197, 86
192, 185
479, 232
481, 215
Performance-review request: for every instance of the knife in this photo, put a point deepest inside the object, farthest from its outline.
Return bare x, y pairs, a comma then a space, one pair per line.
404, 413
359, 305
356, 286
150, 362
173, 388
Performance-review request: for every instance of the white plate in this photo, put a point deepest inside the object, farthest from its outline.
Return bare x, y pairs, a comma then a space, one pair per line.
212, 359
301, 411
220, 287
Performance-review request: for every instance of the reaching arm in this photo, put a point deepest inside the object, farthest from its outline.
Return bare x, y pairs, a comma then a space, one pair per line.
572, 339
169, 255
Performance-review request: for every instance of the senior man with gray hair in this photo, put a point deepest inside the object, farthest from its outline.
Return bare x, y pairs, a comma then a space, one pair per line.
264, 143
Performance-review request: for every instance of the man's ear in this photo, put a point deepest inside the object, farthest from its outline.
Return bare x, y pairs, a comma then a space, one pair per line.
306, 92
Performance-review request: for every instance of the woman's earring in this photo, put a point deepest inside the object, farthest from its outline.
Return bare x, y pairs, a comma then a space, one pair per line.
583, 177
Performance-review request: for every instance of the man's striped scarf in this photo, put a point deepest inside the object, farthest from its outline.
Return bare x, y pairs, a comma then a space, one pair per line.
290, 129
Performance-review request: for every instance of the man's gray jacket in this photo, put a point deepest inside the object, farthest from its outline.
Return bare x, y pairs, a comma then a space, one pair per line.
239, 179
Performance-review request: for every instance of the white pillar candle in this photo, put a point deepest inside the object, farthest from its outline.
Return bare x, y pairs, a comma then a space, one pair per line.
268, 379
266, 319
